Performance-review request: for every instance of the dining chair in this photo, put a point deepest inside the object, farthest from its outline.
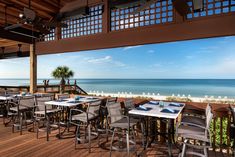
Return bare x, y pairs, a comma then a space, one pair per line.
196, 132
48, 115
119, 124
196, 120
129, 105
63, 96
85, 118
24, 108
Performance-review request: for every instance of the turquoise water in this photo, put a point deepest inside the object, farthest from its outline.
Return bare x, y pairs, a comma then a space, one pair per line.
194, 87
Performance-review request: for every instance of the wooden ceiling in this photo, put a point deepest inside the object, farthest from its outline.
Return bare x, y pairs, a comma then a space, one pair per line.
45, 9
8, 43
10, 10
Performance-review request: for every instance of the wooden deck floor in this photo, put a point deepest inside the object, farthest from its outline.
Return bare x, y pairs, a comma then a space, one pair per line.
26, 145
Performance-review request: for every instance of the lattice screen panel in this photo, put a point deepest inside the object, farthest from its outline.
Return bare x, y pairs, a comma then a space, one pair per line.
158, 13
50, 36
90, 24
213, 7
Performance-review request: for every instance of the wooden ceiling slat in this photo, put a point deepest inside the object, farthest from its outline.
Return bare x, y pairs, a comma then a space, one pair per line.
25, 4
45, 6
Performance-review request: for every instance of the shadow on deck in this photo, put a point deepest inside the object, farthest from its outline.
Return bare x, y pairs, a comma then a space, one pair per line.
26, 145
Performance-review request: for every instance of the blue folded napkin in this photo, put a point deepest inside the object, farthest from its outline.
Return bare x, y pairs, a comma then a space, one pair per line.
73, 101
153, 102
169, 110
143, 108
91, 98
176, 104
60, 100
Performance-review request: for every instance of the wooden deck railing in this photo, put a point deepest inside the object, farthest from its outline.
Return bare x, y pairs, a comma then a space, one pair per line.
69, 88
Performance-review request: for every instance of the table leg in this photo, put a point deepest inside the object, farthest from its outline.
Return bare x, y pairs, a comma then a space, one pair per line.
170, 122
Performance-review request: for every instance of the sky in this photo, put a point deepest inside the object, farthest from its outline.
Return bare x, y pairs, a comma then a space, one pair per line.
205, 58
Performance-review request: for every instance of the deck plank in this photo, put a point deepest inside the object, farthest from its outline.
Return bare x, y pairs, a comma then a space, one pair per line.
26, 145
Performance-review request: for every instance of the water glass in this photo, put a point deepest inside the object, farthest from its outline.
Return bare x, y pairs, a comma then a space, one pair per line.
161, 104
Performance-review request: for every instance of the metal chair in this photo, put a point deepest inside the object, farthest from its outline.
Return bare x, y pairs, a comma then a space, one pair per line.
119, 124
199, 120
85, 118
47, 114
63, 96
196, 132
24, 110
232, 127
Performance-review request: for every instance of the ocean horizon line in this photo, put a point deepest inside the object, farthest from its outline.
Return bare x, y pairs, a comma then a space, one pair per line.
125, 78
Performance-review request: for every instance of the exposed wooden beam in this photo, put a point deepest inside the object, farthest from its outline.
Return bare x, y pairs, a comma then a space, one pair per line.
42, 5
106, 17
13, 36
14, 55
182, 7
216, 26
123, 4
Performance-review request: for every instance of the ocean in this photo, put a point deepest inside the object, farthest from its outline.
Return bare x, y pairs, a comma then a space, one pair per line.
193, 87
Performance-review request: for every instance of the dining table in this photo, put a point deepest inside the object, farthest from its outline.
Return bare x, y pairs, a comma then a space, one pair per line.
66, 105
169, 111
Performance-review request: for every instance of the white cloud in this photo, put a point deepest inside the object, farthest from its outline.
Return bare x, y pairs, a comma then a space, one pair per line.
130, 47
119, 64
100, 60
105, 60
189, 57
150, 51
208, 49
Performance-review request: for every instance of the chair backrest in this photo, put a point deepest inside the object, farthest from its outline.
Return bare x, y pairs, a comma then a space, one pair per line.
2, 92
94, 107
209, 118
114, 110
129, 104
28, 101
208, 109
12, 92
111, 100
63, 96
40, 103
232, 109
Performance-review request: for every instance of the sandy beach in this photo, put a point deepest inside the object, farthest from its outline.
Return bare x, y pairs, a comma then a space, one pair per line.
164, 97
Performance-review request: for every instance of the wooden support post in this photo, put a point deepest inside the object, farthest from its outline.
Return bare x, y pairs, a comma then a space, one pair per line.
58, 33
106, 17
33, 69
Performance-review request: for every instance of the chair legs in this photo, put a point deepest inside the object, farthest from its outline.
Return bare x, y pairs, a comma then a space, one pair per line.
128, 141
184, 152
89, 137
111, 145
184, 148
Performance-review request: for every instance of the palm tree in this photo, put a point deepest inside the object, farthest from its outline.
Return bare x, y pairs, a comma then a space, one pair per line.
62, 72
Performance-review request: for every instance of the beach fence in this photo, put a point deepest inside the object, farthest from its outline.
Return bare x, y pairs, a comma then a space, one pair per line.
173, 97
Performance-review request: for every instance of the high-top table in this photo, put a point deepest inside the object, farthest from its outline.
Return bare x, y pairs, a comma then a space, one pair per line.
67, 104
153, 109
